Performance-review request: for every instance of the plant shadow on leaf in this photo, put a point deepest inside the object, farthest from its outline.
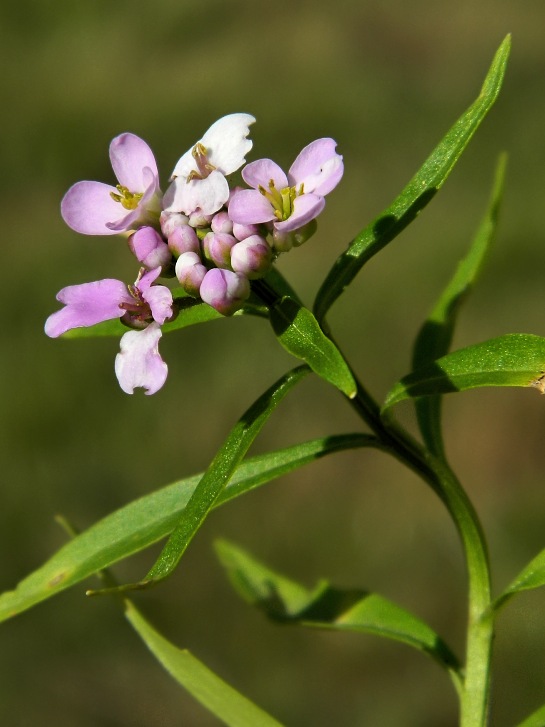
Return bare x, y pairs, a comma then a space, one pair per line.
328, 604
389, 226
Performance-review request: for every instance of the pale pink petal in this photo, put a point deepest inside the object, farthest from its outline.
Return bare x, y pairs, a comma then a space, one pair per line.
145, 279
261, 172
88, 304
159, 299
139, 364
305, 208
130, 156
249, 207
318, 167
88, 208
207, 195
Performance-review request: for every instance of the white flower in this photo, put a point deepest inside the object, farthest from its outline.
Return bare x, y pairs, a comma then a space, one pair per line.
199, 176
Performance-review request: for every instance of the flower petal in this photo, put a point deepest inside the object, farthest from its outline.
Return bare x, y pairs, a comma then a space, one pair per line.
248, 207
130, 155
208, 195
225, 143
318, 167
159, 299
88, 304
261, 172
305, 208
88, 208
139, 364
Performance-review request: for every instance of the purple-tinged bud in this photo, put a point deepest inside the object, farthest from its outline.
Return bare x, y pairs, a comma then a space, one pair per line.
183, 239
149, 248
221, 222
241, 232
224, 290
284, 241
190, 272
198, 219
217, 248
169, 221
252, 257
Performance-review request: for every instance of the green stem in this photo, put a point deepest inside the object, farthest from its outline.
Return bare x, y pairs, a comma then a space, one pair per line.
437, 474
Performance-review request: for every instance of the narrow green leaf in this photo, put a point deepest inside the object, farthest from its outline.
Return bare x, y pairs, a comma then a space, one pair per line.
435, 336
190, 313
536, 719
300, 334
515, 359
152, 517
215, 479
416, 195
327, 607
532, 576
204, 685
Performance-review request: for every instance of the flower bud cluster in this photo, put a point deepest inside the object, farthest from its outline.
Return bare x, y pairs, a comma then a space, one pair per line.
216, 259
213, 238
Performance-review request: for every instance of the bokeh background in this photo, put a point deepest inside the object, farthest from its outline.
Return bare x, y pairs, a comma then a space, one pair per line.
385, 79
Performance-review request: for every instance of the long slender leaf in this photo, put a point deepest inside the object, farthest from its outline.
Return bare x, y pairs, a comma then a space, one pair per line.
532, 576
536, 719
215, 479
515, 359
217, 696
152, 517
416, 195
435, 336
300, 334
327, 607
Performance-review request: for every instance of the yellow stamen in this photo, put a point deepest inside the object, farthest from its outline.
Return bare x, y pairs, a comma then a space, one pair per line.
128, 200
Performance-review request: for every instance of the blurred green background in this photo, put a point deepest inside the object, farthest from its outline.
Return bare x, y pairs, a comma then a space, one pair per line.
385, 79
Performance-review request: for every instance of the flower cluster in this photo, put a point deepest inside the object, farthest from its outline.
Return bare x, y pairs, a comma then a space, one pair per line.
214, 238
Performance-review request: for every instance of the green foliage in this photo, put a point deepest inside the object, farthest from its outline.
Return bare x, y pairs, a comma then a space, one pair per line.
435, 336
532, 576
417, 194
536, 719
515, 359
143, 522
300, 334
231, 707
331, 608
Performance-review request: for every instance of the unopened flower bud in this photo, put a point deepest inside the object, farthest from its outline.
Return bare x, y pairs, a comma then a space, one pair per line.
190, 272
304, 233
183, 239
284, 241
169, 221
224, 290
149, 248
221, 223
198, 219
241, 232
252, 257
217, 248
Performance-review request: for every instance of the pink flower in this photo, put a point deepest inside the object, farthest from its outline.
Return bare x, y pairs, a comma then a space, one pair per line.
291, 201
139, 363
141, 305
94, 208
199, 176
